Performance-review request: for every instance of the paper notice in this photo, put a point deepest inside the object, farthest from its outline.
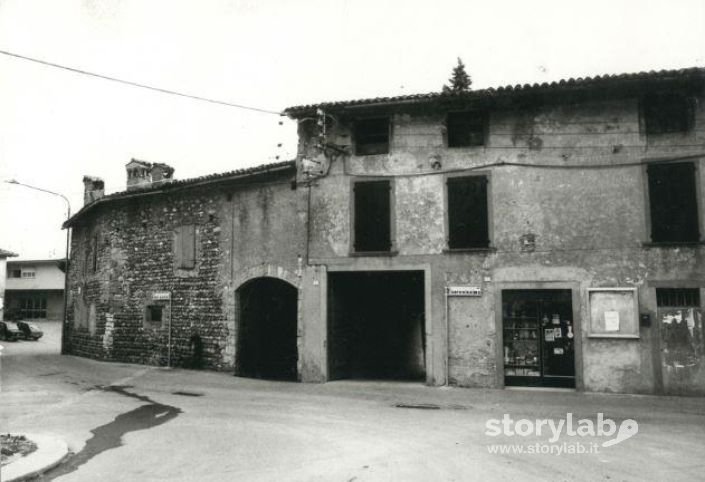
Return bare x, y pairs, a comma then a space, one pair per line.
611, 320
548, 334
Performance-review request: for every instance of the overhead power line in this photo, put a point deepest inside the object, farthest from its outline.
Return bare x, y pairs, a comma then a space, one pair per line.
137, 84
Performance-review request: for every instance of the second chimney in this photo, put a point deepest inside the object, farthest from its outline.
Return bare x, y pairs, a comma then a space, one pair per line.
93, 189
161, 173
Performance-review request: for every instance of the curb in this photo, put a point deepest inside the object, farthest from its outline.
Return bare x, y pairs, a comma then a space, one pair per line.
51, 451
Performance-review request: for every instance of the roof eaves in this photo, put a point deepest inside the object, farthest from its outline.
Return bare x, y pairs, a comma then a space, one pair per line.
563, 84
177, 185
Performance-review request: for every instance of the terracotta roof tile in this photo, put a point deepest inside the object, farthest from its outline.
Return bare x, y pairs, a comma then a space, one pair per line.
596, 82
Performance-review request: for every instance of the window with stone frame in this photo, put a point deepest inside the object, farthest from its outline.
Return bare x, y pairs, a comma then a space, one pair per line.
466, 129
468, 217
667, 113
372, 216
673, 204
371, 136
153, 316
185, 247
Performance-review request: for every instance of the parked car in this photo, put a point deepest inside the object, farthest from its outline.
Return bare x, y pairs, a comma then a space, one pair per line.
9, 331
30, 331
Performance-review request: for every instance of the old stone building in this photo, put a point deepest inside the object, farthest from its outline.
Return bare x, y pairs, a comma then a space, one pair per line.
537, 235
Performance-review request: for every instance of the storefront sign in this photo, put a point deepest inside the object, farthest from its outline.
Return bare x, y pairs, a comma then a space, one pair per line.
161, 295
463, 291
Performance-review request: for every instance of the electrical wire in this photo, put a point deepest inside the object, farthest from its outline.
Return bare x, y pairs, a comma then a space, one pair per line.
137, 84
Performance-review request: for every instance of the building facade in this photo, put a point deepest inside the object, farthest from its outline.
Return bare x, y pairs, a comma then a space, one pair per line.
4, 254
35, 289
543, 235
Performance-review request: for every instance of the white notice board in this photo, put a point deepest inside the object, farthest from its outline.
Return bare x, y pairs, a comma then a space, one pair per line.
614, 313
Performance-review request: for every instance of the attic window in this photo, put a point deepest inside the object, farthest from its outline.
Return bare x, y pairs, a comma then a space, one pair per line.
667, 113
371, 136
466, 129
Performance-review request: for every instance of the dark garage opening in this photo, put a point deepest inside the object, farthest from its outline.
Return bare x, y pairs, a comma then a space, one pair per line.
376, 325
267, 330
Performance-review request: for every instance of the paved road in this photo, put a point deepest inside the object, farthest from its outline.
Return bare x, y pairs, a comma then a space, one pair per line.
128, 422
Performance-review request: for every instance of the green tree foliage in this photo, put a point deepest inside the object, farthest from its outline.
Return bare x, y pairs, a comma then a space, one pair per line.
460, 81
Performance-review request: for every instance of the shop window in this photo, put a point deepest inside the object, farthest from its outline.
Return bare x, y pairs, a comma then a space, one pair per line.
154, 315
468, 219
667, 114
679, 297
673, 203
466, 129
34, 307
371, 136
372, 216
185, 247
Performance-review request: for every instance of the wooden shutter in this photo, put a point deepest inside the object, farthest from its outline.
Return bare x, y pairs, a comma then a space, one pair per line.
468, 223
185, 247
372, 216
673, 202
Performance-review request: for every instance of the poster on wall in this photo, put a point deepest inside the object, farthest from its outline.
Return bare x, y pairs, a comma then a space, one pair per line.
614, 313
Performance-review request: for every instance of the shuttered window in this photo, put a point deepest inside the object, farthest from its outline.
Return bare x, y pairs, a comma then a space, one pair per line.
185, 247
673, 203
468, 224
372, 216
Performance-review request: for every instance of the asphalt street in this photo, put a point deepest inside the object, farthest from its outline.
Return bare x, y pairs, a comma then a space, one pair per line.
129, 422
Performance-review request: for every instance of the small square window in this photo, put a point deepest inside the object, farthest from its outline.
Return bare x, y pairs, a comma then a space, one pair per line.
667, 113
372, 136
154, 315
466, 129
14, 273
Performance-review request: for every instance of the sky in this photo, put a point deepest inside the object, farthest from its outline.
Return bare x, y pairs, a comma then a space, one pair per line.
57, 126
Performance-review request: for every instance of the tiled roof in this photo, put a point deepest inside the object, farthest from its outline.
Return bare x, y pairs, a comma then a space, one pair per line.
173, 185
7, 254
565, 84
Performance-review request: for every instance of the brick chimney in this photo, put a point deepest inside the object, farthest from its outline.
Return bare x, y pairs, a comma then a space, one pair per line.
93, 189
139, 174
161, 173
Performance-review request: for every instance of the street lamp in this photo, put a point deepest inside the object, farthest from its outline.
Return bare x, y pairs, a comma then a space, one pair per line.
66, 267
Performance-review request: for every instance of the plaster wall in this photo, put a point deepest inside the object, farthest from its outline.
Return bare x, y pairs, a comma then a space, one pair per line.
581, 193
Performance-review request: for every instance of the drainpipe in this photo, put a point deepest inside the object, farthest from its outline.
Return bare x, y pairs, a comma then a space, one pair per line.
447, 341
171, 304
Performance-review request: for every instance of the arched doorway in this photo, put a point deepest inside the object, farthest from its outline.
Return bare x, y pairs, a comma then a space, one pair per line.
266, 342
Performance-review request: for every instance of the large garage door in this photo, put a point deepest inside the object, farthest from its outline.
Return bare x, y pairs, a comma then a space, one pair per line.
376, 325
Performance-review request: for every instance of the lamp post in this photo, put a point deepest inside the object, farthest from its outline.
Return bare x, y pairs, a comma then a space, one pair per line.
66, 267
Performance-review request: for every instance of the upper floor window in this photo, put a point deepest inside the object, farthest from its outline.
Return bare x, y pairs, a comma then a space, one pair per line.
371, 136
14, 273
667, 113
468, 219
466, 129
372, 216
185, 247
29, 273
673, 202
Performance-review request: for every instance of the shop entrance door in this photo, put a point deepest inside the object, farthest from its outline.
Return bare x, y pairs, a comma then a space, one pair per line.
538, 338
